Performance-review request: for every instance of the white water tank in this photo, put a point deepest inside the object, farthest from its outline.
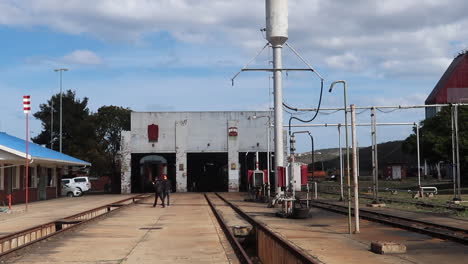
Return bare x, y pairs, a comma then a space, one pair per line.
277, 21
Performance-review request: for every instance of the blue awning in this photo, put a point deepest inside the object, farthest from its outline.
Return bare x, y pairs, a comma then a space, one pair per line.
17, 146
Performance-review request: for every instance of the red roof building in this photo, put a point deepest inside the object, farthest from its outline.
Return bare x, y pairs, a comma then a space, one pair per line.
452, 87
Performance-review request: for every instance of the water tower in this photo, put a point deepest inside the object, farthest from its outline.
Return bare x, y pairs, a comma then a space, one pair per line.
277, 35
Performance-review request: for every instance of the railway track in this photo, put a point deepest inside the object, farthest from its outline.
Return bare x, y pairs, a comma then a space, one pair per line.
271, 248
12, 243
435, 230
458, 208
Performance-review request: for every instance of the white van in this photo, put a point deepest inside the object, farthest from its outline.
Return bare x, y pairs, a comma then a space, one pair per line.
82, 183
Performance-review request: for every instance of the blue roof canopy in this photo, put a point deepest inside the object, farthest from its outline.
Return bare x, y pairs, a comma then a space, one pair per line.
17, 147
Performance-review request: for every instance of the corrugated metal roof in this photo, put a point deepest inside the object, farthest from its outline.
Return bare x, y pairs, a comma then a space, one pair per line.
17, 146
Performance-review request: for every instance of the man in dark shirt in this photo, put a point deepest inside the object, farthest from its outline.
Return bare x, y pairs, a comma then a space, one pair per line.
158, 186
167, 188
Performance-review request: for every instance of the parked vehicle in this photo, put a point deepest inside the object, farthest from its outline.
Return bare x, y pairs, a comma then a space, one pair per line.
81, 183
68, 190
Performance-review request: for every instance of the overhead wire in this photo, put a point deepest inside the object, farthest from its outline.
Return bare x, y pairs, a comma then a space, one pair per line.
363, 111
295, 109
324, 112
386, 112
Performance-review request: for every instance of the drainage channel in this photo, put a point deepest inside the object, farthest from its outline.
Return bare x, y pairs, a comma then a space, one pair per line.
19, 240
269, 247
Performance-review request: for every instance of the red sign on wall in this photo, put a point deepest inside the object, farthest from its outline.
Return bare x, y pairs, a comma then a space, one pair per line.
153, 133
232, 131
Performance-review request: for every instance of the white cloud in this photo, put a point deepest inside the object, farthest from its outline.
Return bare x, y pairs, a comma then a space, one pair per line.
347, 61
363, 36
86, 57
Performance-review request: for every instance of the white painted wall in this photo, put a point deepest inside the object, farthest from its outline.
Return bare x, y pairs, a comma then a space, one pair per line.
203, 127
195, 132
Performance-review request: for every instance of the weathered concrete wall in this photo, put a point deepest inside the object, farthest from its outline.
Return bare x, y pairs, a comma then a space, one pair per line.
125, 159
181, 138
233, 158
203, 127
196, 132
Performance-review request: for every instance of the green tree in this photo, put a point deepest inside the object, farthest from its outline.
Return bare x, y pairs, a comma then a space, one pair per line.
94, 137
109, 122
435, 138
77, 128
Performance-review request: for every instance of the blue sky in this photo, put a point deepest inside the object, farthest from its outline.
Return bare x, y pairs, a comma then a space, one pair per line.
179, 55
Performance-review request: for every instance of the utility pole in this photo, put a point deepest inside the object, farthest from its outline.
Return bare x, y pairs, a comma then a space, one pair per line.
51, 124
61, 115
356, 187
348, 169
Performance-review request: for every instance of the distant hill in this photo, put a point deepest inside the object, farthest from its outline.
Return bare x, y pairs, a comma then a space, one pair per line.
388, 152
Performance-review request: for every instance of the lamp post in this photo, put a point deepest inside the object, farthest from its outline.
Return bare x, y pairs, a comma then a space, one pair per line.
60, 133
51, 124
268, 149
348, 170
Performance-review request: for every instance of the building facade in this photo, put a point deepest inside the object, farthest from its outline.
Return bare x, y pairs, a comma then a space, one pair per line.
46, 167
452, 86
199, 151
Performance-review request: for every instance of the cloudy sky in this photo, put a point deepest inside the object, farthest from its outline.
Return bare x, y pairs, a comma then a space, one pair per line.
179, 55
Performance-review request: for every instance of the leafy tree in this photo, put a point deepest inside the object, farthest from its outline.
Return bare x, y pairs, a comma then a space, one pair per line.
435, 138
77, 130
109, 122
94, 137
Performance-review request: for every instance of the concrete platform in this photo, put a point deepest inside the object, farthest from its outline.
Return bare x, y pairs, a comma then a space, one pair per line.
50, 210
325, 237
186, 232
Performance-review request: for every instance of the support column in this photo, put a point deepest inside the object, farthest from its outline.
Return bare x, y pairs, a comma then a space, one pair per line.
355, 174
233, 157
278, 98
126, 161
181, 155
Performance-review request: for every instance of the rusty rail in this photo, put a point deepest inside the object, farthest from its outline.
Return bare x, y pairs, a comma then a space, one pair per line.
16, 241
271, 247
240, 252
459, 208
435, 230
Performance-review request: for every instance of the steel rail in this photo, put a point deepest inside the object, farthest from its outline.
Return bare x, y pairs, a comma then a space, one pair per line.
11, 243
460, 208
240, 252
434, 230
301, 256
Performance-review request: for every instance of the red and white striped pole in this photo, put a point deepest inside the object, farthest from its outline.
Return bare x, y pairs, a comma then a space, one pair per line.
27, 110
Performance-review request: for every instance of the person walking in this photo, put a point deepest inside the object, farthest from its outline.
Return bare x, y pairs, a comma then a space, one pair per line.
158, 186
167, 188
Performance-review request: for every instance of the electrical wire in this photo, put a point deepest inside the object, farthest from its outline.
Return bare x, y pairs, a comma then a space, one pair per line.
295, 113
295, 109
363, 111
323, 112
386, 112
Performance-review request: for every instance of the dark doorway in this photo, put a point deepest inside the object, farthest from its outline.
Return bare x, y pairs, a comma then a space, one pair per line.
247, 162
146, 167
207, 172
